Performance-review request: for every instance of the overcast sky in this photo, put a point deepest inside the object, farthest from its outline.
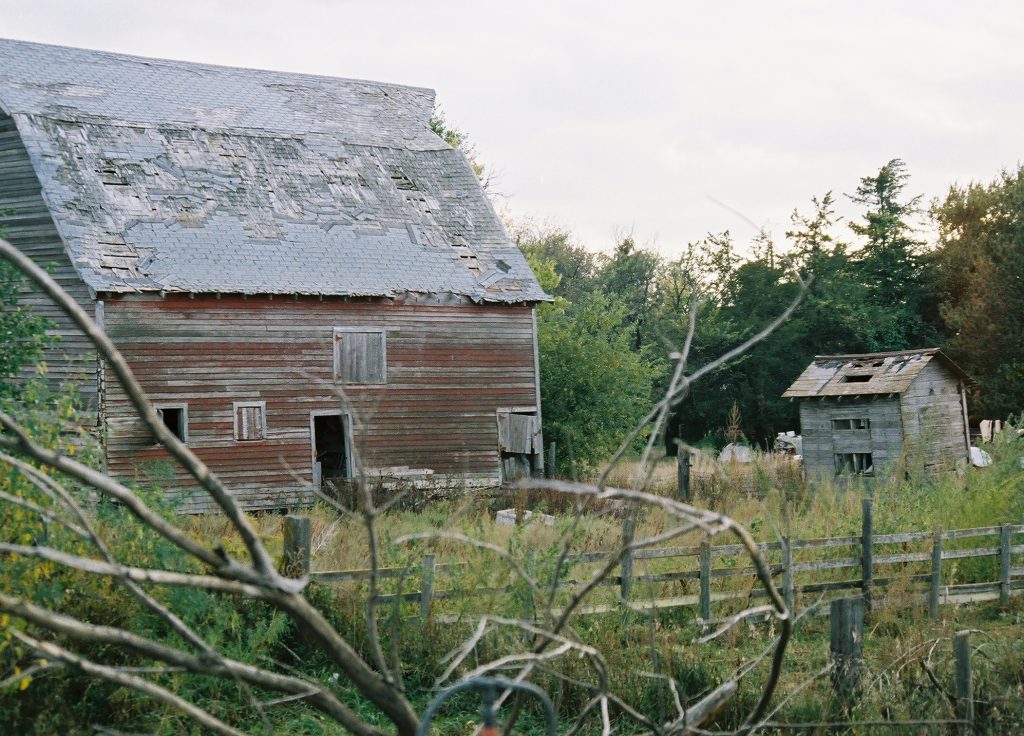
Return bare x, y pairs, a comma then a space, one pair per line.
615, 116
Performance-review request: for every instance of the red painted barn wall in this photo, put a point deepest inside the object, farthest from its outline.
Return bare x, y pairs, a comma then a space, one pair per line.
449, 368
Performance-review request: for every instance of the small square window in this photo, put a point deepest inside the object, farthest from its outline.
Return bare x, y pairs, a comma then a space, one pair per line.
855, 423
175, 418
250, 420
360, 355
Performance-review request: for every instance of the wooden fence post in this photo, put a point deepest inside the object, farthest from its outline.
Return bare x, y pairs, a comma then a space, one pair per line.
426, 586
788, 591
626, 566
683, 474
936, 583
1004, 562
964, 683
296, 543
705, 581
866, 554
552, 462
846, 644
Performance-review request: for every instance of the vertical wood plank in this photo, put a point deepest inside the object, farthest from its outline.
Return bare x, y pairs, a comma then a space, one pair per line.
552, 462
788, 587
426, 586
683, 475
964, 683
846, 644
1004, 562
705, 581
867, 557
936, 581
297, 541
626, 567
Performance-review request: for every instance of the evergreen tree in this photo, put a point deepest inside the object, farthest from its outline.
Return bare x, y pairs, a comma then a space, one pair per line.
889, 262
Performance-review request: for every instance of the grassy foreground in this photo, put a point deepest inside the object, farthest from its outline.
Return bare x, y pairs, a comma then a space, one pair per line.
908, 658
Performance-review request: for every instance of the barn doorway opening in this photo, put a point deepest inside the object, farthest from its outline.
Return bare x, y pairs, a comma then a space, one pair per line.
330, 450
519, 443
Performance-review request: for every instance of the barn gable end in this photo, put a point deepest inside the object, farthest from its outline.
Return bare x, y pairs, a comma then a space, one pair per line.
26, 223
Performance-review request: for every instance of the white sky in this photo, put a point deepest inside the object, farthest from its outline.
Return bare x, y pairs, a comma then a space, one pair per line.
613, 116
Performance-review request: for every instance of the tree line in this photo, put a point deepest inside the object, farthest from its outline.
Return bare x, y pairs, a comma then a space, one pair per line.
881, 282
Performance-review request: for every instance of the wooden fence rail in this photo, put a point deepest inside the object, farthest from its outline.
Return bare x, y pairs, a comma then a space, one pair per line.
864, 557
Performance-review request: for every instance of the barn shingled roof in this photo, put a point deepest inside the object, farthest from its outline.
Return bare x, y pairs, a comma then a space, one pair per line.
867, 373
174, 176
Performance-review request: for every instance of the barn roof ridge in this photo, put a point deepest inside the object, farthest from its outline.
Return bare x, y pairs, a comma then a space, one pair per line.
886, 354
169, 176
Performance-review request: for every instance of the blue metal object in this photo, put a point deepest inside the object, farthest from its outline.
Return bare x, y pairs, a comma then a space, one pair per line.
488, 687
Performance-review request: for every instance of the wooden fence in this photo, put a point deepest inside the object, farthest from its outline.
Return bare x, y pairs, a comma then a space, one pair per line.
875, 565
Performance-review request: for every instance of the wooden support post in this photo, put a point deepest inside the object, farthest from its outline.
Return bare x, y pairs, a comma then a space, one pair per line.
426, 586
847, 644
1004, 562
552, 462
866, 554
705, 581
788, 586
964, 683
936, 582
626, 567
683, 474
297, 541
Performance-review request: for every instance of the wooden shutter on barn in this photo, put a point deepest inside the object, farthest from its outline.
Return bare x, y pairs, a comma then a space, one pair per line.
250, 421
360, 356
516, 432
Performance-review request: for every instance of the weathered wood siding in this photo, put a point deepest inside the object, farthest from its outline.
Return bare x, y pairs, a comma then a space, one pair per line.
449, 368
933, 419
26, 222
883, 438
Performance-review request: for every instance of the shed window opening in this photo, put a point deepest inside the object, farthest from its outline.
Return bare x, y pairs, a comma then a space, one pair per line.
175, 418
360, 356
856, 423
861, 378
855, 463
250, 421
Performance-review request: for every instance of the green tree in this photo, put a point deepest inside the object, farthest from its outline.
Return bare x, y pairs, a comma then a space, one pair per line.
23, 335
594, 388
889, 262
631, 275
575, 266
981, 283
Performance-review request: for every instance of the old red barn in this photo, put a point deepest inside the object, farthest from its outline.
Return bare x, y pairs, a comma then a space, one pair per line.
260, 243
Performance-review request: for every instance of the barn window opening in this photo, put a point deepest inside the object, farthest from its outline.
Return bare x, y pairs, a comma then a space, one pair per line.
856, 423
857, 463
857, 378
360, 355
250, 420
175, 418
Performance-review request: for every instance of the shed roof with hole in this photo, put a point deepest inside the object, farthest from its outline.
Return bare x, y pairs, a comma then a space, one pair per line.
867, 374
170, 176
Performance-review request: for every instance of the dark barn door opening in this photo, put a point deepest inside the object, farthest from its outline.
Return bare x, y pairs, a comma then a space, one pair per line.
329, 446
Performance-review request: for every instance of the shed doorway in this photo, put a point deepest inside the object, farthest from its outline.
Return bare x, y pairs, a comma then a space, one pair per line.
331, 463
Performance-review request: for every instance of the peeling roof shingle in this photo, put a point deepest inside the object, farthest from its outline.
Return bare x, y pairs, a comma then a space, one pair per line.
173, 176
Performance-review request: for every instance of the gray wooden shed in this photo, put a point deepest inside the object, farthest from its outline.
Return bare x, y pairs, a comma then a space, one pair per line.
859, 413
